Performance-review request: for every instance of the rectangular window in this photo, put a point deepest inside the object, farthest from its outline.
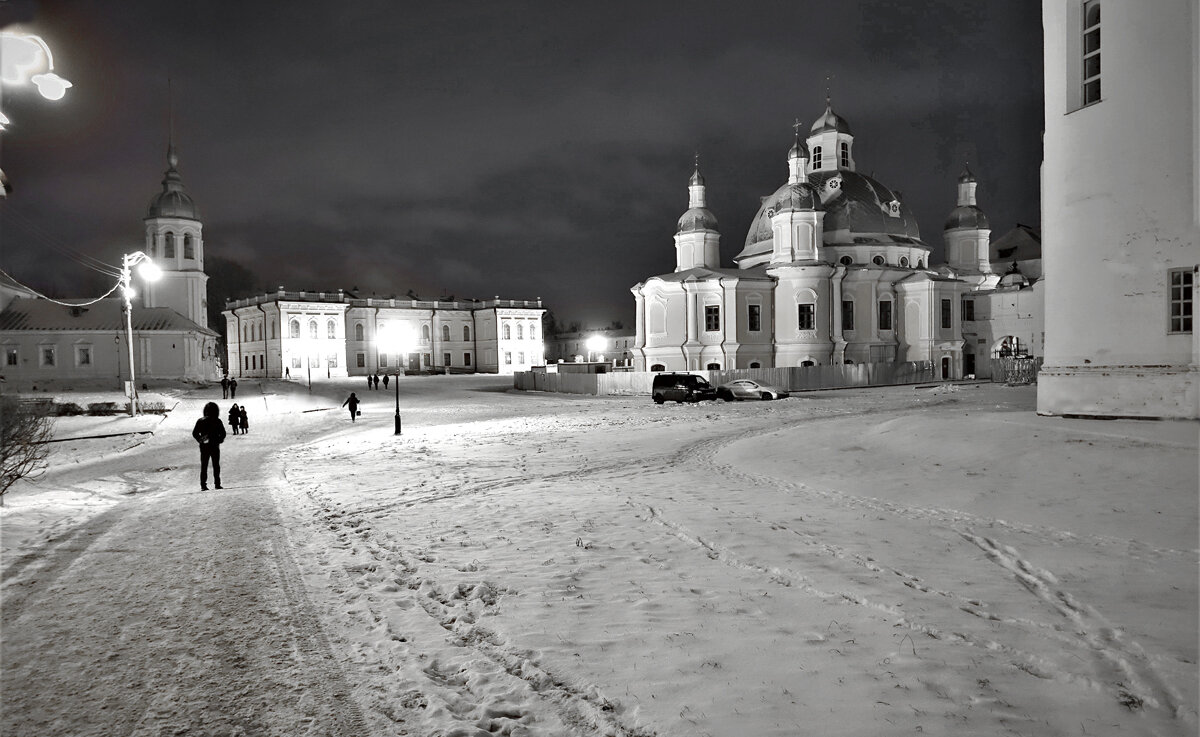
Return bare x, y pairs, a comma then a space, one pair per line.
816, 157
1182, 281
314, 362
885, 314
754, 318
521, 358
83, 355
445, 359
245, 363
466, 359
383, 360
968, 310
807, 317
1091, 52
331, 360
845, 155
947, 315
296, 362
507, 357
360, 360
11, 357
712, 318
847, 314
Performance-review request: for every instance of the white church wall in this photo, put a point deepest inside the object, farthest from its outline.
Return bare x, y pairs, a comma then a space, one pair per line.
1120, 210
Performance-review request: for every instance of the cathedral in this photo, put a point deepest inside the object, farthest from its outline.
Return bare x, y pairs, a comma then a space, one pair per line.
833, 271
44, 340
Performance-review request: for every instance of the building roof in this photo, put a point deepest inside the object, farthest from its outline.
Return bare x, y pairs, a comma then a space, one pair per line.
42, 315
855, 213
830, 121
966, 216
696, 218
700, 273
1022, 243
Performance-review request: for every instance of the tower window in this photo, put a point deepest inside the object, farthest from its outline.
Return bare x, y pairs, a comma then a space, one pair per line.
845, 158
712, 318
169, 248
1182, 281
189, 247
807, 316
816, 157
1091, 52
754, 318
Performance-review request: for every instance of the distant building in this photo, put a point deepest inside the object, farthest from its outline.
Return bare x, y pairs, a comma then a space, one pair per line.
1121, 208
323, 335
43, 339
833, 271
572, 346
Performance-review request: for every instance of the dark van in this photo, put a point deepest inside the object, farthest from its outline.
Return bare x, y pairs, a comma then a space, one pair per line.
681, 388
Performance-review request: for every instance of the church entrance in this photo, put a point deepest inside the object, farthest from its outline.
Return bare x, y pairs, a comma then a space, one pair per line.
946, 367
969, 365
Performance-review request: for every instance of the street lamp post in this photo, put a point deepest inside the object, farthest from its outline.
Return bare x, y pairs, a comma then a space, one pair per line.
396, 341
150, 272
24, 53
595, 344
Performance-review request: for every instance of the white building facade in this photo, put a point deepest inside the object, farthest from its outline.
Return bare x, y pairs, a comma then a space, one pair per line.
1121, 208
833, 271
326, 335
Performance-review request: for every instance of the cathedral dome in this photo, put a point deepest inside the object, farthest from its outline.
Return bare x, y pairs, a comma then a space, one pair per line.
800, 196
798, 150
967, 216
697, 218
830, 121
856, 212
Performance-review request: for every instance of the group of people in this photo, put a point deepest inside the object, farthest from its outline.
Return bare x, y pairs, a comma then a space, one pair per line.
238, 421
373, 381
228, 387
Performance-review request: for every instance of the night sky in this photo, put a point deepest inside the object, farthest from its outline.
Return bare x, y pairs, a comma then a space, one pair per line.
474, 149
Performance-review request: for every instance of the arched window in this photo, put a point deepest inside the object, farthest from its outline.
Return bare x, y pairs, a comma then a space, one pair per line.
816, 157
1091, 52
154, 245
807, 363
189, 247
245, 333
845, 162
466, 332
312, 329
755, 364
533, 332
658, 367
169, 248
424, 333
714, 367
330, 329
446, 332
520, 331
272, 329
358, 331
294, 328
506, 332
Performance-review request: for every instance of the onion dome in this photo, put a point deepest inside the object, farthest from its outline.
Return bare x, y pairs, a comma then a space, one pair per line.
966, 175
802, 196
967, 216
697, 218
798, 150
697, 178
830, 121
173, 201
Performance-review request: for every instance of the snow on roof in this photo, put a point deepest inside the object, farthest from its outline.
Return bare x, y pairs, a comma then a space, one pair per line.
43, 315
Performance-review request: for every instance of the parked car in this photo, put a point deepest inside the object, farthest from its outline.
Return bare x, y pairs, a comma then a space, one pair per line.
749, 389
681, 388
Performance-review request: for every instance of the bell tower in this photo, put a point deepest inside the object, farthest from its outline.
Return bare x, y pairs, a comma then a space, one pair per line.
174, 240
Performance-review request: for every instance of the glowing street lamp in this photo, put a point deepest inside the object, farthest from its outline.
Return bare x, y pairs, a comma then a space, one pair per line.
149, 271
596, 344
23, 54
396, 341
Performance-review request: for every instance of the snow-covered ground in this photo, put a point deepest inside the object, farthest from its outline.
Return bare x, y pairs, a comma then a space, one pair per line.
884, 561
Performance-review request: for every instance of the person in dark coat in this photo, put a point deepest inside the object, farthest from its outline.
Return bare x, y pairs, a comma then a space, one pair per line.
352, 401
243, 421
235, 419
210, 433
232, 388
385, 381
224, 387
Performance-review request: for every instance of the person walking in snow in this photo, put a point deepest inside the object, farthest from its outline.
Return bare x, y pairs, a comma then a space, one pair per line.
352, 401
224, 387
385, 381
232, 388
243, 421
235, 419
209, 432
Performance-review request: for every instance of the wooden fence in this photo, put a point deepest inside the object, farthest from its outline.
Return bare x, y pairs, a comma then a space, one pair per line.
794, 379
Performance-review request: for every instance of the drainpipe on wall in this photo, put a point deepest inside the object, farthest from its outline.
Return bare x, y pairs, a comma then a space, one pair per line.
264, 314
238, 317
835, 317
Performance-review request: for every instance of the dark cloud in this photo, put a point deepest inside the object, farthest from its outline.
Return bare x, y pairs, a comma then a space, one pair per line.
522, 149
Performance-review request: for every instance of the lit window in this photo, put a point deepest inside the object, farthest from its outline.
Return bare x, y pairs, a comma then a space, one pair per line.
312, 329
521, 358
885, 314
294, 328
11, 356
807, 316
296, 362
533, 332
506, 331
507, 357
1182, 281
816, 157
847, 314
1091, 52
754, 318
331, 360
947, 316
712, 317
330, 329
520, 331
